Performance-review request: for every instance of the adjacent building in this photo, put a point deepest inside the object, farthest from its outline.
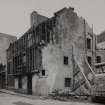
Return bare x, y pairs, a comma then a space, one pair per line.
101, 40
101, 47
100, 53
5, 41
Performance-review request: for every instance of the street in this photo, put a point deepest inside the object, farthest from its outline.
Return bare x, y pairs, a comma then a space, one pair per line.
7, 99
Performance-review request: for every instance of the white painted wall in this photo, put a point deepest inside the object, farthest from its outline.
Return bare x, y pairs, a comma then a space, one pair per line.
39, 86
57, 71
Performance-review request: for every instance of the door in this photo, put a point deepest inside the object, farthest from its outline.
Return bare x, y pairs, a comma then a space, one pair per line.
30, 84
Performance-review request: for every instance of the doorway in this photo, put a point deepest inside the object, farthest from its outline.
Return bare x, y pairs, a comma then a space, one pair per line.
29, 84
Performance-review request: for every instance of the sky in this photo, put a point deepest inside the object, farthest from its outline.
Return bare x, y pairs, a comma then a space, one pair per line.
15, 14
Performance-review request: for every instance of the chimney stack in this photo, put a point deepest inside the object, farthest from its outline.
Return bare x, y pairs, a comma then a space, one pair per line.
33, 18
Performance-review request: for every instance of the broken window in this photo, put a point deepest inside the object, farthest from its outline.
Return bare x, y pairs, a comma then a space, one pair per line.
88, 43
98, 59
89, 59
67, 82
65, 60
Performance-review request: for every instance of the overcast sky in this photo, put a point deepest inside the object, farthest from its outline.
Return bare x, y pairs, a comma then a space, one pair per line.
15, 14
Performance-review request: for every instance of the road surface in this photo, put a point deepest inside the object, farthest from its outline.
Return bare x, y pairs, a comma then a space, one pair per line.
7, 99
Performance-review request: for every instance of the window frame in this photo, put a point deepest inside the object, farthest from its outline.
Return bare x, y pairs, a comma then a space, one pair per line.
98, 59
67, 82
44, 73
65, 60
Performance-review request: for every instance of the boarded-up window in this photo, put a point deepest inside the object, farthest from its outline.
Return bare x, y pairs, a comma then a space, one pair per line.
67, 82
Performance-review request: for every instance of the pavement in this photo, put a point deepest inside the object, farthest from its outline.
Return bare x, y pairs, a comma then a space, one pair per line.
21, 95
13, 99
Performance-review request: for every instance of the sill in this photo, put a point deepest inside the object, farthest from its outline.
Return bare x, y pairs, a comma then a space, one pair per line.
65, 64
43, 76
68, 87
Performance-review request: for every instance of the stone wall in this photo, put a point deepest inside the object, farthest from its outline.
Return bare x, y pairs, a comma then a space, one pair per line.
69, 35
69, 39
